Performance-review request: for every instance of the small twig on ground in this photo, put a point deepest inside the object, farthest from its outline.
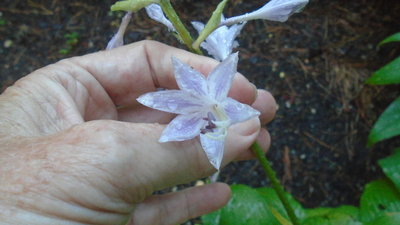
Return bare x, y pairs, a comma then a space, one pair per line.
287, 176
319, 141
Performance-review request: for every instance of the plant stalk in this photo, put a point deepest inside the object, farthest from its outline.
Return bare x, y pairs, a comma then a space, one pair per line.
179, 26
255, 147
212, 24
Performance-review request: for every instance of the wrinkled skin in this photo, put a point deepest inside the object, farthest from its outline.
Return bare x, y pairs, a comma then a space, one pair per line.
76, 147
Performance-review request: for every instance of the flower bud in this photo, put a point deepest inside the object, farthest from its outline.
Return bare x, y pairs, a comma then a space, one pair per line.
155, 12
131, 5
274, 10
118, 39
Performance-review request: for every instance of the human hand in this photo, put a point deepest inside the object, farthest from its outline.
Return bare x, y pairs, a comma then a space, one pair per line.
77, 148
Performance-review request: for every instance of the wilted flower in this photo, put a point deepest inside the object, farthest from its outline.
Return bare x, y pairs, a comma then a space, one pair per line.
220, 42
155, 12
203, 107
274, 10
118, 38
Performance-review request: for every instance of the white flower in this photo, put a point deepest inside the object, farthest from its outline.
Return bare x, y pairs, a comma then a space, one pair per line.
202, 106
274, 10
155, 12
118, 39
220, 42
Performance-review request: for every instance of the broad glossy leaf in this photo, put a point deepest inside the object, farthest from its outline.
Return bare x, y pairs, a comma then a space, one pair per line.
320, 211
391, 167
282, 220
378, 198
345, 209
388, 74
344, 215
388, 124
251, 207
275, 202
212, 218
391, 38
246, 206
387, 219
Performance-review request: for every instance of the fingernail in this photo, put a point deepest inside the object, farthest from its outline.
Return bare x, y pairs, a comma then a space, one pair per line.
255, 90
264, 139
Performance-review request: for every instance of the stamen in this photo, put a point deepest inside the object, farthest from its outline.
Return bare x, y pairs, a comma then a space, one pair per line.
211, 126
218, 123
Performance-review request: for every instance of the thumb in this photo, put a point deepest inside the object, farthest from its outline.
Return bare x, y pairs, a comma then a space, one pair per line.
239, 139
177, 207
172, 163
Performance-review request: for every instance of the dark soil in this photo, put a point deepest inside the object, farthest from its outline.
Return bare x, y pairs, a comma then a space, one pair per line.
315, 65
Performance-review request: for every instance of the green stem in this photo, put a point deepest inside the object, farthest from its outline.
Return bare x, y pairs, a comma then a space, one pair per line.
180, 28
212, 24
274, 180
202, 37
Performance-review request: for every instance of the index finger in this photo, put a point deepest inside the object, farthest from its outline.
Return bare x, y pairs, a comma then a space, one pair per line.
132, 70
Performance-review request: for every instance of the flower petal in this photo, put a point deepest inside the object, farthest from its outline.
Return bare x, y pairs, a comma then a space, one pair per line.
274, 10
183, 127
155, 12
220, 42
214, 149
199, 26
220, 79
238, 112
173, 101
234, 31
280, 10
189, 79
217, 44
118, 39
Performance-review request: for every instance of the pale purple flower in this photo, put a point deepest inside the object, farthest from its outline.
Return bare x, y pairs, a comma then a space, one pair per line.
220, 42
118, 39
202, 105
274, 10
155, 12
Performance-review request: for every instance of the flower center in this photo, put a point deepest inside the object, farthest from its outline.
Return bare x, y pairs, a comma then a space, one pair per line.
218, 123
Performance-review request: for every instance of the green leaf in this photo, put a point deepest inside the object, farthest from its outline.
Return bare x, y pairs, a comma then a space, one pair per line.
212, 218
345, 209
282, 220
64, 51
378, 198
391, 167
3, 22
388, 74
388, 124
131, 5
320, 211
344, 215
387, 219
391, 38
246, 206
332, 219
252, 207
275, 202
